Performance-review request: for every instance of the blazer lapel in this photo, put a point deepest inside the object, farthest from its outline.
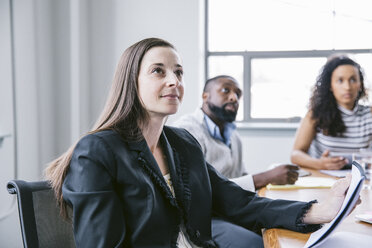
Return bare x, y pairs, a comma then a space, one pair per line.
179, 174
150, 166
177, 168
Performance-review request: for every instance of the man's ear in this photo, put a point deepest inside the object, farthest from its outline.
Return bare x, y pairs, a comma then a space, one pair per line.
205, 96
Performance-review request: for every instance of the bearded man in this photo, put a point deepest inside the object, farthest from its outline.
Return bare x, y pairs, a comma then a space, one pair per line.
213, 126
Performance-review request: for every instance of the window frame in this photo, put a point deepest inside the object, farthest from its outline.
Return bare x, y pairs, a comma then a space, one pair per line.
247, 58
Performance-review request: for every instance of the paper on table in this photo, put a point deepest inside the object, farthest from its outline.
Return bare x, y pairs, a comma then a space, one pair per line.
306, 183
365, 217
347, 240
336, 173
351, 198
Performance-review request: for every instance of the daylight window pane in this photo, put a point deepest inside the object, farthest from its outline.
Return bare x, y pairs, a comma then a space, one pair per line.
231, 66
281, 87
239, 25
348, 30
268, 25
358, 9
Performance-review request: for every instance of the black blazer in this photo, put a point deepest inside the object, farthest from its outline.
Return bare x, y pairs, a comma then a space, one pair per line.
120, 198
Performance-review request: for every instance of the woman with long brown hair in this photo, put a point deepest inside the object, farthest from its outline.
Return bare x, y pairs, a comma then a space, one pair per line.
134, 182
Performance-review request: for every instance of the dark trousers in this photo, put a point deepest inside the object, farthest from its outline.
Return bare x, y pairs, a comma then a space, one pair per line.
228, 235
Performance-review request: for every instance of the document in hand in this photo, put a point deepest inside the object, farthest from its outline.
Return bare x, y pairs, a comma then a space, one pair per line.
351, 198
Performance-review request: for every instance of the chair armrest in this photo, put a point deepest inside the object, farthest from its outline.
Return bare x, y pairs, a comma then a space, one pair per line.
12, 187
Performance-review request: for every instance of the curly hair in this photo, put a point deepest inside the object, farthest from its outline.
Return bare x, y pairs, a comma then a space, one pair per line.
323, 104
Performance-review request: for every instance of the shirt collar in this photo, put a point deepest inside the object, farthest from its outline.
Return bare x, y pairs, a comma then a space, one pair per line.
214, 130
347, 111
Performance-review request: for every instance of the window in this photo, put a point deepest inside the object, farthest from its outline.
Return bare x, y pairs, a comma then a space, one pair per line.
275, 49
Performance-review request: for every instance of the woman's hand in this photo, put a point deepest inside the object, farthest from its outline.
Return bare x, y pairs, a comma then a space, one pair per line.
331, 163
327, 210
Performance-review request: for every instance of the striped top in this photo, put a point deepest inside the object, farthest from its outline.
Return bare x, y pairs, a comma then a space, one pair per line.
357, 135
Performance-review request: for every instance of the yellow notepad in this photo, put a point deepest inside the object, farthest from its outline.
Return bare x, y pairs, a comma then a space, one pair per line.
306, 183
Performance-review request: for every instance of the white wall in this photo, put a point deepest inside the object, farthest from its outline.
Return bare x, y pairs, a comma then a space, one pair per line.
8, 206
65, 56
265, 147
65, 53
181, 23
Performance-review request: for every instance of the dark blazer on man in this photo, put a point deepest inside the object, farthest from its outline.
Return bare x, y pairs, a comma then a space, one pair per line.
120, 199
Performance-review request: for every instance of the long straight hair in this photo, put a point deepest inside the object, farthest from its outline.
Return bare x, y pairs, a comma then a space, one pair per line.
123, 111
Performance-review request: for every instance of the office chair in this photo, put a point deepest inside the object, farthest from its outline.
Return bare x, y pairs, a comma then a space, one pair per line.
41, 224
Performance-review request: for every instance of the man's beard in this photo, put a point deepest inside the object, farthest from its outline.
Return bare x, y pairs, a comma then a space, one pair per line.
221, 113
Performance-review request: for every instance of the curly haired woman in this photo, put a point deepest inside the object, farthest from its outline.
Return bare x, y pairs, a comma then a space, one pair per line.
335, 121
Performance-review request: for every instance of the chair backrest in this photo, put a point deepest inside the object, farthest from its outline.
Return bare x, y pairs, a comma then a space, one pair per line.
41, 223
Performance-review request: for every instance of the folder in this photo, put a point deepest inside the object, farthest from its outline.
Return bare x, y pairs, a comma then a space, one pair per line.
305, 183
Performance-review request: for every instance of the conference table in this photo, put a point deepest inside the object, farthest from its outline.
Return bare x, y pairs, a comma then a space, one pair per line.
276, 238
